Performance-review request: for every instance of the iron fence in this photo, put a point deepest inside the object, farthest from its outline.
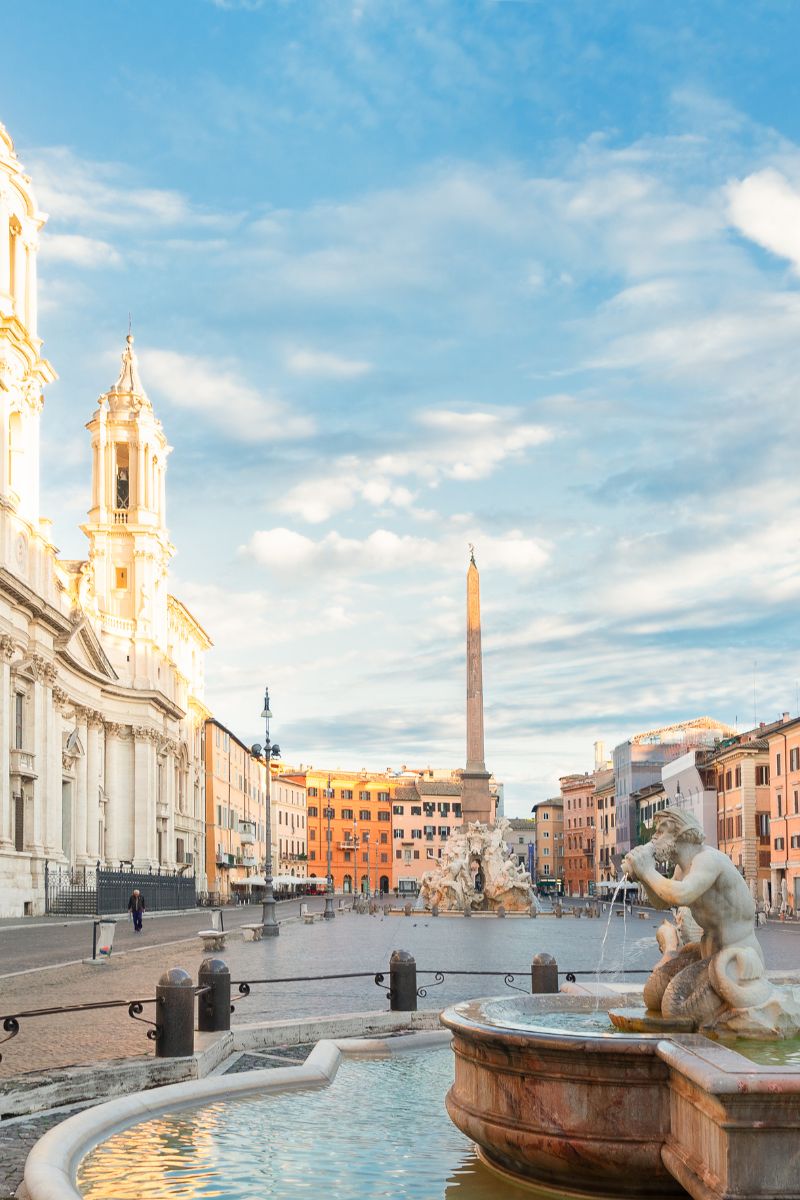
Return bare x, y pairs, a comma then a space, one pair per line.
90, 891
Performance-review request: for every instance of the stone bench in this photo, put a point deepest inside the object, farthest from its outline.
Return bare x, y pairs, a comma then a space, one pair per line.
213, 939
252, 933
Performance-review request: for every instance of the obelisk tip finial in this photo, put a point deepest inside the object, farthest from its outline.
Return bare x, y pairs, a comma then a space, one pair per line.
472, 554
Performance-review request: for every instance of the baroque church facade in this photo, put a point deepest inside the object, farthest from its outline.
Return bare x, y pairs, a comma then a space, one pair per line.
101, 668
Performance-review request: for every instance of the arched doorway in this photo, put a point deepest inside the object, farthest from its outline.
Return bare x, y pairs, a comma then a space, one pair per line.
347, 884
384, 885
364, 883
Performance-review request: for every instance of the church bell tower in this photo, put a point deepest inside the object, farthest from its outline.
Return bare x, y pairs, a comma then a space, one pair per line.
129, 548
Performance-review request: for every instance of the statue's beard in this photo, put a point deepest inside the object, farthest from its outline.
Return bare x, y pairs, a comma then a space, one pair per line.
665, 848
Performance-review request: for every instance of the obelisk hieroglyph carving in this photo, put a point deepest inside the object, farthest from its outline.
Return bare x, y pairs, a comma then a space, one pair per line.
476, 802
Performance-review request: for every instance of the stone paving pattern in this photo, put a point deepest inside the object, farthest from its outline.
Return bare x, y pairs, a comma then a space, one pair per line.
350, 943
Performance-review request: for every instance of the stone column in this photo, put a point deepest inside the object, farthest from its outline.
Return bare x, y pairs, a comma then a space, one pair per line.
80, 847
6, 718
93, 731
19, 276
54, 840
35, 827
5, 266
50, 769
113, 850
171, 797
140, 477
144, 797
31, 315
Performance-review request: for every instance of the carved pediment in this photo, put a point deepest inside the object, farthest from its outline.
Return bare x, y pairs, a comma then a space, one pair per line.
83, 647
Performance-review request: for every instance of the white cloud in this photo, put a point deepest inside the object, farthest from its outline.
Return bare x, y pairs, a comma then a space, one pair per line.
285, 551
463, 446
79, 250
766, 208
326, 366
107, 195
217, 390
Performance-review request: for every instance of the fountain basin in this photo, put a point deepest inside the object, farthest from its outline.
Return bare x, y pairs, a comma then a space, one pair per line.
612, 1113
584, 1110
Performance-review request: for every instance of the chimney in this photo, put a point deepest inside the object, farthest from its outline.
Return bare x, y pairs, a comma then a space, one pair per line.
784, 718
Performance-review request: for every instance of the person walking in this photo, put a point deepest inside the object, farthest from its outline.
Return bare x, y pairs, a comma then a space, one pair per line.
136, 908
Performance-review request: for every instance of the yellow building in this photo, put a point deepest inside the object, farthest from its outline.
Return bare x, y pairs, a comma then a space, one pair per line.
235, 814
548, 816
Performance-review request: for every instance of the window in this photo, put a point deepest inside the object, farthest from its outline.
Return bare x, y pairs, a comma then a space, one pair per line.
347, 814
384, 816
777, 764
739, 825
19, 708
398, 853
347, 794
779, 802
416, 810
363, 814
794, 759
398, 834
444, 810
762, 776
312, 791
416, 834
312, 810
545, 816
384, 858
120, 578
456, 810
728, 780
347, 854
429, 852
384, 838
312, 834
398, 810
363, 795
779, 843
737, 777
762, 827
407, 856
416, 854
383, 796
312, 854
796, 841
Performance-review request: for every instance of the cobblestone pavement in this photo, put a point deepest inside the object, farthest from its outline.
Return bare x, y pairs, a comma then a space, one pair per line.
16, 1140
25, 947
351, 943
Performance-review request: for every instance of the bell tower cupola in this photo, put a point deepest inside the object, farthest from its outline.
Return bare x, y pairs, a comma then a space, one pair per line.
129, 547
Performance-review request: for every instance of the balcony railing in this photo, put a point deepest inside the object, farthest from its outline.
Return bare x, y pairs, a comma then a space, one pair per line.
23, 763
246, 836
120, 516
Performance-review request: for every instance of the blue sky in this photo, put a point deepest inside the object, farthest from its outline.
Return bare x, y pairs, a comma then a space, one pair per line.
409, 275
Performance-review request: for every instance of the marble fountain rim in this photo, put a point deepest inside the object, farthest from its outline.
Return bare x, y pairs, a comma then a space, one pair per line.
718, 1068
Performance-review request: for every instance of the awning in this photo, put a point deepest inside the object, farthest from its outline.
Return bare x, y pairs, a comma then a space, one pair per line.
280, 880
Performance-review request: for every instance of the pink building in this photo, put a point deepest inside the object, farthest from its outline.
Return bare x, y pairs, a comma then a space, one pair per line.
424, 813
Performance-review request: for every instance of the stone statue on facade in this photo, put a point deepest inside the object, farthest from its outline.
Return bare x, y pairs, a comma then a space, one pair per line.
477, 854
712, 970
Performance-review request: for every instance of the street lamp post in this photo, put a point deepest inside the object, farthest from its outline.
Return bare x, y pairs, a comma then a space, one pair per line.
271, 928
365, 840
356, 844
329, 913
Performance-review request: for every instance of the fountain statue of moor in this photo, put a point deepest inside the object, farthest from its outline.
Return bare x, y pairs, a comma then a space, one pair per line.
712, 972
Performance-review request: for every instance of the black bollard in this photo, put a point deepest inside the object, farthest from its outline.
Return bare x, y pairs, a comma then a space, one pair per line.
402, 982
500, 910
544, 975
175, 1014
214, 1006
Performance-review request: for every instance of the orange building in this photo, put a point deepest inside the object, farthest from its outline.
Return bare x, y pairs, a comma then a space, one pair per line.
359, 830
784, 773
577, 794
743, 805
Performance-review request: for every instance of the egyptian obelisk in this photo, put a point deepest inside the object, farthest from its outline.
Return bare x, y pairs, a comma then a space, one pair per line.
476, 802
